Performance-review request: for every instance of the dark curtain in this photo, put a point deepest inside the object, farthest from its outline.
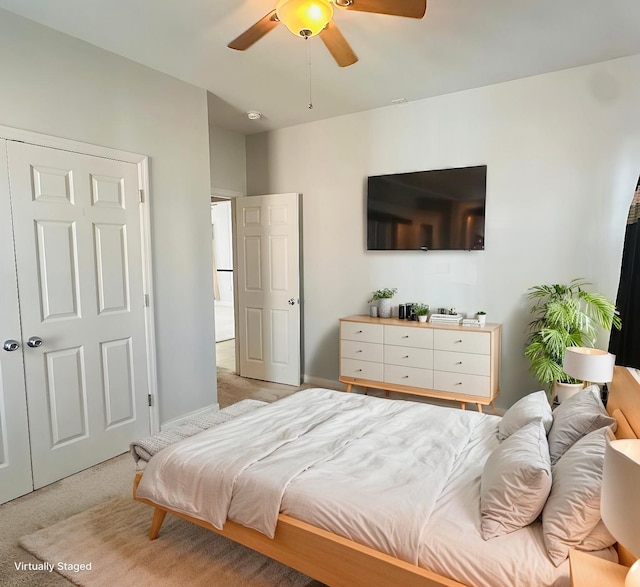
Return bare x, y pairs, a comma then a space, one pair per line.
625, 343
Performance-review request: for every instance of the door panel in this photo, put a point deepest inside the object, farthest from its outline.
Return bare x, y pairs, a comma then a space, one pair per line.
267, 250
81, 292
15, 459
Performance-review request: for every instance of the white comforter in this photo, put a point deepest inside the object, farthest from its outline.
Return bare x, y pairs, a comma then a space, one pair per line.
400, 476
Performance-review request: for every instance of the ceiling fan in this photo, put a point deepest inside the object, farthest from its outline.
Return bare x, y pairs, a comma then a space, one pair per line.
307, 18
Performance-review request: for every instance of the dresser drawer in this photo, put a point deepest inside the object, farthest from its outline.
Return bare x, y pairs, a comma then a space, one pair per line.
361, 331
462, 383
410, 376
408, 356
463, 363
361, 369
462, 341
361, 351
408, 336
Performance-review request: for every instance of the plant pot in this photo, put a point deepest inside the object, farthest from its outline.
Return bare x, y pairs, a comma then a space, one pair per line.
384, 307
422, 318
482, 318
562, 391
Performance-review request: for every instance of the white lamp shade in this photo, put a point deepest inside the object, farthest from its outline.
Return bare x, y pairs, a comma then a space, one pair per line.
589, 364
620, 499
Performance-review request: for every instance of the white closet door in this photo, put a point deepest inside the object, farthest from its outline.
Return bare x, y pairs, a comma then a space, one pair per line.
15, 460
78, 257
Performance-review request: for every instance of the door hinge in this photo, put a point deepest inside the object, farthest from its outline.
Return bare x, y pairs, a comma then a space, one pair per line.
141, 192
150, 399
146, 300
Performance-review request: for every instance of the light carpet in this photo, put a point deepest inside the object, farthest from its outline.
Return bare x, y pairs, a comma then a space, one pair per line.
112, 536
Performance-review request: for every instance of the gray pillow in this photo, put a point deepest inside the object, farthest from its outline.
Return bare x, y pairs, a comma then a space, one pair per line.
534, 406
575, 417
571, 516
515, 482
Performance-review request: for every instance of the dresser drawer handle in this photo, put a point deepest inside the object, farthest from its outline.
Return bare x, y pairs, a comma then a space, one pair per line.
457, 341
359, 351
406, 357
459, 363
458, 383
358, 370
406, 336
358, 331
405, 377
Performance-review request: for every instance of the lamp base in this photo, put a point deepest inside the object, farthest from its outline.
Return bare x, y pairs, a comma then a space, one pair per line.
633, 576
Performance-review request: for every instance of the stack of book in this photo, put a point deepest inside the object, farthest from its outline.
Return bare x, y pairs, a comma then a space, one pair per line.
471, 322
446, 318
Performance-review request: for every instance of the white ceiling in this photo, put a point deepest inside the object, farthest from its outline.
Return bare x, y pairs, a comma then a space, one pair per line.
459, 44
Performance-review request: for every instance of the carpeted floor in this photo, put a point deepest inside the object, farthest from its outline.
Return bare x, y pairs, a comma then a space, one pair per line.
112, 538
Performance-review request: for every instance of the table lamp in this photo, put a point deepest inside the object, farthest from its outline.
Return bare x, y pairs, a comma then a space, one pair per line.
620, 502
588, 365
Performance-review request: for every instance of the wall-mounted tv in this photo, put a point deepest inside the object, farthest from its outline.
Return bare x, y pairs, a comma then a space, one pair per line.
437, 210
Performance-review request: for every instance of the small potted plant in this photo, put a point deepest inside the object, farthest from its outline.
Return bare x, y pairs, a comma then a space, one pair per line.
481, 316
383, 297
421, 311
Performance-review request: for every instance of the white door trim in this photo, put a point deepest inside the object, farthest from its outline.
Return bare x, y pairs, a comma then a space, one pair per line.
142, 162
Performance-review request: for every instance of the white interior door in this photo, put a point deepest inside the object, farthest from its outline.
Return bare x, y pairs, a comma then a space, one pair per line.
15, 460
78, 256
268, 278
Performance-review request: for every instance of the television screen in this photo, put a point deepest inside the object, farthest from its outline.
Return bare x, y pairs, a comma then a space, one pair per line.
436, 210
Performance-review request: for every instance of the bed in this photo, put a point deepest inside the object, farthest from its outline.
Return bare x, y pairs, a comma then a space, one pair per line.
305, 533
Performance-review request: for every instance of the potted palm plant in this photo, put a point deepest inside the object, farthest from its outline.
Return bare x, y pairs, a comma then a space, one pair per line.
383, 297
564, 316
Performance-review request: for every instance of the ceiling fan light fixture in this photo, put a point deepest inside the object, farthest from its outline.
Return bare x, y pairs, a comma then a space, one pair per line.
304, 18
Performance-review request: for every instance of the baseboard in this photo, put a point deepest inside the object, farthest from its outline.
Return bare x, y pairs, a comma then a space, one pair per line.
327, 383
180, 419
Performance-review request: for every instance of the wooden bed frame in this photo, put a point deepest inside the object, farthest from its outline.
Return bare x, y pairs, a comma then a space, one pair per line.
340, 562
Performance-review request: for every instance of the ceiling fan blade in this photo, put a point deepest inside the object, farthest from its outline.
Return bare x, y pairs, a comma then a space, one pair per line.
256, 32
337, 45
410, 8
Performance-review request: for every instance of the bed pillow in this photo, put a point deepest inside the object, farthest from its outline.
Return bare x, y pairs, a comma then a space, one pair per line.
571, 516
534, 406
575, 417
515, 481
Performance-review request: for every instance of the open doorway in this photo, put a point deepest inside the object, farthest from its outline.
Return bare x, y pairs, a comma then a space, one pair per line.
223, 283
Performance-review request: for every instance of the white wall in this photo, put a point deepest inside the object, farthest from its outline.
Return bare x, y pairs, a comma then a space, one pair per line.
57, 85
228, 161
563, 156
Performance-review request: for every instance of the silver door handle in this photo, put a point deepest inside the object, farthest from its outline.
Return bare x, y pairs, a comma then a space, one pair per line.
34, 342
11, 345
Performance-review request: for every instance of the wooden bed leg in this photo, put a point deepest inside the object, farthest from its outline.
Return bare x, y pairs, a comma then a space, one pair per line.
156, 523
479, 408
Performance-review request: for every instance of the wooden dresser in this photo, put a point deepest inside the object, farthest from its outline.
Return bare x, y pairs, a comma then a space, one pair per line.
434, 360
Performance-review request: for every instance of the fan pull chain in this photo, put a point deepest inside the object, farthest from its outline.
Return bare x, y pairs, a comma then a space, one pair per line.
310, 106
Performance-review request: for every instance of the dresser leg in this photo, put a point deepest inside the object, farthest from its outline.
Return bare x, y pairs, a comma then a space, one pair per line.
463, 405
386, 393
479, 408
349, 386
493, 408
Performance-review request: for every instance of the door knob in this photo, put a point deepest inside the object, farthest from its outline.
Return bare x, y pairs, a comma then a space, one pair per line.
11, 345
292, 301
34, 342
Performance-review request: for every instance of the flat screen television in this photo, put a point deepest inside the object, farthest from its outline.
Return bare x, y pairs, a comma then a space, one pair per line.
437, 210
